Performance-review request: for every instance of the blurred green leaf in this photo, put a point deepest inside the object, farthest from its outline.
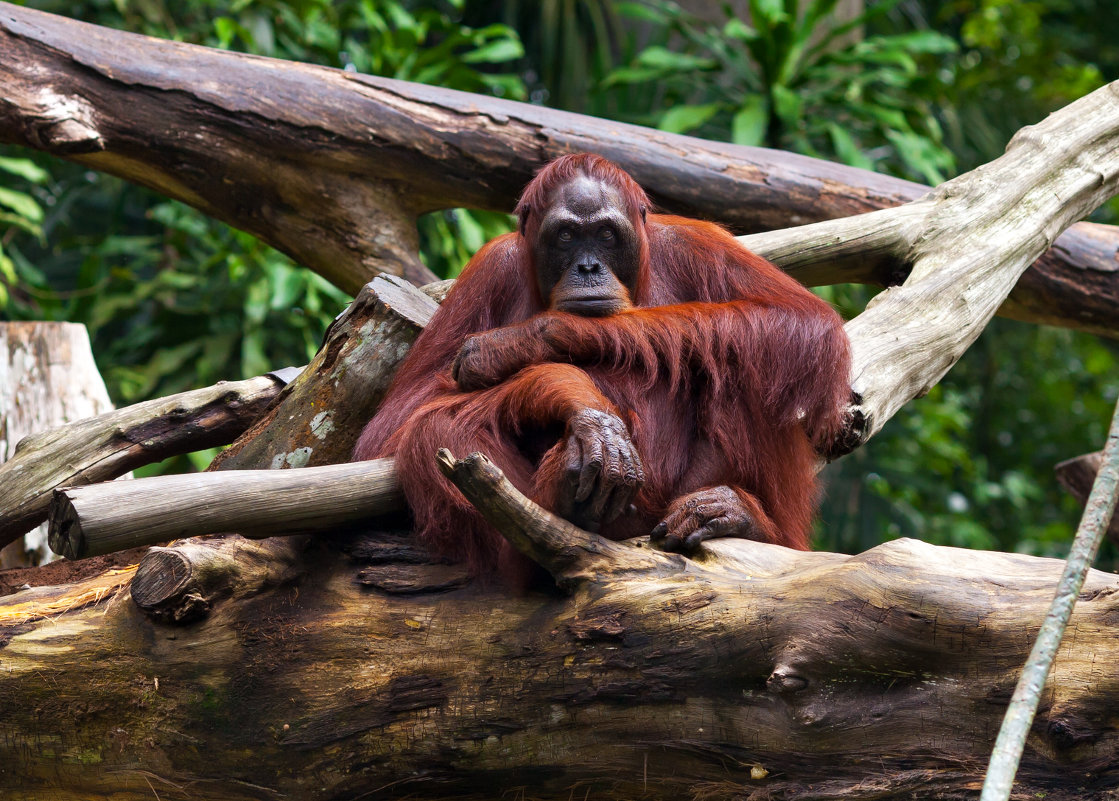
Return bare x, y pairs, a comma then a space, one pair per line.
495, 52
24, 168
22, 204
846, 148
750, 121
685, 118
663, 59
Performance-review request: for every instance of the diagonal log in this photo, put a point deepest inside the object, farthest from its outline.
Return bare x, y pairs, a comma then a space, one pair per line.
965, 244
333, 168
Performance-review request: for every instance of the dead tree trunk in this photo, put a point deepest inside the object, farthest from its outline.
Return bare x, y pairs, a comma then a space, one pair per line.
753, 672
47, 377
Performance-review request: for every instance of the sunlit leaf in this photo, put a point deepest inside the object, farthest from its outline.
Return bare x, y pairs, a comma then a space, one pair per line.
24, 168
686, 118
749, 124
663, 59
495, 52
21, 203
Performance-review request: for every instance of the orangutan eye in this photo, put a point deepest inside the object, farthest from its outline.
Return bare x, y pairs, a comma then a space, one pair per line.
606, 234
565, 235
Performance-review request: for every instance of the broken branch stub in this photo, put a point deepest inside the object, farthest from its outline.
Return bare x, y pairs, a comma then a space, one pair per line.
570, 554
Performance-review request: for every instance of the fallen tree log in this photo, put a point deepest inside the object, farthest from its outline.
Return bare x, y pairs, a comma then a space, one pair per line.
749, 670
334, 167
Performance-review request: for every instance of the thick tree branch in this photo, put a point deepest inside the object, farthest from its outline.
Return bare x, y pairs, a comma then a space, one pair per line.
967, 243
571, 555
333, 167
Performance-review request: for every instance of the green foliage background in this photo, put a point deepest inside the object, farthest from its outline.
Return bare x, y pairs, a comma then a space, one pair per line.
922, 89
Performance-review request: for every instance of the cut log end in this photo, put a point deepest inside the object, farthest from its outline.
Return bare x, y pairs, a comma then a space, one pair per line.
65, 532
163, 576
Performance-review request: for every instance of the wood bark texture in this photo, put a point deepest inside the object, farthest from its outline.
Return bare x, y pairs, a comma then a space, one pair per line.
100, 447
750, 672
47, 377
333, 167
103, 518
321, 413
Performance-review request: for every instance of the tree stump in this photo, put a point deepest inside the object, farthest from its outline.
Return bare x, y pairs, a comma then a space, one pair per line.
47, 377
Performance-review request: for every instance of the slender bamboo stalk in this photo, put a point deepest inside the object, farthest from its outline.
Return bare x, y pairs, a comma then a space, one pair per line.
1023, 705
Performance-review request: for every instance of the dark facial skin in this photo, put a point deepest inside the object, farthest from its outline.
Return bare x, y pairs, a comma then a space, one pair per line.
586, 251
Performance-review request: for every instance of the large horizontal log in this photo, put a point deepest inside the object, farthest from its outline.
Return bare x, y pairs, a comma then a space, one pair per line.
333, 167
749, 669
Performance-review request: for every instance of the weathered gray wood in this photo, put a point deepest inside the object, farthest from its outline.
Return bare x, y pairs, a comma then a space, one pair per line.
321, 413
333, 167
967, 244
100, 448
47, 377
102, 518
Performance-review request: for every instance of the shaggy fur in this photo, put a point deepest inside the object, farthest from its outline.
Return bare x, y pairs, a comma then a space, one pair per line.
726, 372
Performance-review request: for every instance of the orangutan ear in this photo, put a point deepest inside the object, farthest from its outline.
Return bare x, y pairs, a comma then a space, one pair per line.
643, 210
522, 217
